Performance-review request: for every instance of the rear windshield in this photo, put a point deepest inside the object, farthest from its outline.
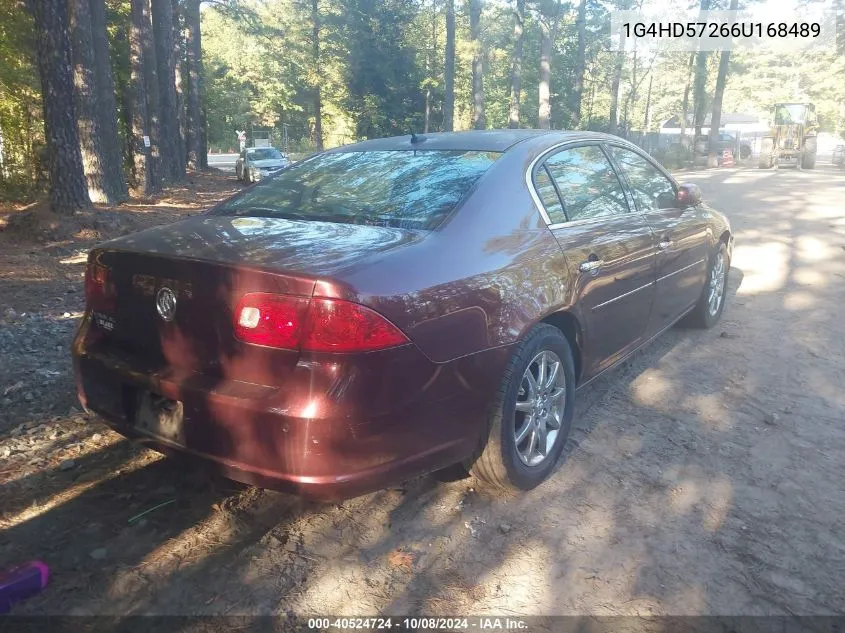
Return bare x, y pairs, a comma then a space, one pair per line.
401, 188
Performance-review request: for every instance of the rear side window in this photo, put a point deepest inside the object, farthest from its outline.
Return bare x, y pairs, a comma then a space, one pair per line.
652, 190
587, 183
398, 188
547, 193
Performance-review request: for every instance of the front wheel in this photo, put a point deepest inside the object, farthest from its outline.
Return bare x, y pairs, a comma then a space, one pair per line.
808, 156
531, 414
711, 304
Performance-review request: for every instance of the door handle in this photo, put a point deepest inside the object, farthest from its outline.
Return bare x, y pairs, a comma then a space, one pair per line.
592, 266
664, 244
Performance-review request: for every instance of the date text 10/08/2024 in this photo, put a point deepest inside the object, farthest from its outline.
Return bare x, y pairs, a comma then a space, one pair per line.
419, 624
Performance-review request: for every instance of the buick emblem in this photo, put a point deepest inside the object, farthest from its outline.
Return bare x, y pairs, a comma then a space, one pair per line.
166, 303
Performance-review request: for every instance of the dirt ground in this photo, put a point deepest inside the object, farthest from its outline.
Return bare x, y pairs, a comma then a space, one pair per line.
704, 476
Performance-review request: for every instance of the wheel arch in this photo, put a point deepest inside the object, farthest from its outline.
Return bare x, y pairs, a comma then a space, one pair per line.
571, 328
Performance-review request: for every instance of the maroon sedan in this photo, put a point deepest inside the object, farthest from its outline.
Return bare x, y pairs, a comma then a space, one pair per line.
397, 306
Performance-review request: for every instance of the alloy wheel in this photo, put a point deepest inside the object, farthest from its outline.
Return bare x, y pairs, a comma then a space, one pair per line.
539, 410
717, 284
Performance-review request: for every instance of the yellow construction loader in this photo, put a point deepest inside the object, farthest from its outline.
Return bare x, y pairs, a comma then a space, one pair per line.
792, 139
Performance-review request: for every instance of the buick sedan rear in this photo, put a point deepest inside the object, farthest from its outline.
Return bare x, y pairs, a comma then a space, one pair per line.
394, 307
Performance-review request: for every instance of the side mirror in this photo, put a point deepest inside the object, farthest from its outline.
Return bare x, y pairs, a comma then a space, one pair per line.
689, 195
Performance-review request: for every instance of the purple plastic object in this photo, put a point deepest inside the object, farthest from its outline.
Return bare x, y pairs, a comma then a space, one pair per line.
22, 582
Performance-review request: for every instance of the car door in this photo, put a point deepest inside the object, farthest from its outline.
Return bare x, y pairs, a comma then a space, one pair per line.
609, 248
681, 233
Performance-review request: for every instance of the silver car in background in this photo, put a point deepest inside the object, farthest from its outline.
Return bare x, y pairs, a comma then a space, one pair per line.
259, 162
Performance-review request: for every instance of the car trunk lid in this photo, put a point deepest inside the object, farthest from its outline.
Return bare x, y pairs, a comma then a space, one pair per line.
209, 263
199, 334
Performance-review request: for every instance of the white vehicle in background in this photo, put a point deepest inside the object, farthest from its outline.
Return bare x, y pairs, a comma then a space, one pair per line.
256, 163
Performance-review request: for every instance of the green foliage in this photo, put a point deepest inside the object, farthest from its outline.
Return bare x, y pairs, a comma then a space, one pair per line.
378, 59
21, 129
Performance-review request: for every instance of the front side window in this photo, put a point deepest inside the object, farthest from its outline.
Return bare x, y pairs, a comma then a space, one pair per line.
587, 183
652, 190
398, 188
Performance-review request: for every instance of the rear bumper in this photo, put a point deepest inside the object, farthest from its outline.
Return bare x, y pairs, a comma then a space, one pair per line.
335, 429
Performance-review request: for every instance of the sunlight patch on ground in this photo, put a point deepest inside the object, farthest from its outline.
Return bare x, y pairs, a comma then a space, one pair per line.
684, 495
765, 267
812, 249
56, 451
809, 277
651, 389
79, 258
797, 301
719, 502
75, 490
710, 409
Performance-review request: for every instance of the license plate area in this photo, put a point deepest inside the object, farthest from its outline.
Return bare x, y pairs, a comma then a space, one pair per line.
161, 417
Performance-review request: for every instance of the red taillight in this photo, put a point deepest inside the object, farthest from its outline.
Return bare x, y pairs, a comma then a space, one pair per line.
318, 325
342, 326
272, 320
98, 293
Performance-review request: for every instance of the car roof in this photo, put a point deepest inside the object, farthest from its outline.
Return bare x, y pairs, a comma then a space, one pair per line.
473, 140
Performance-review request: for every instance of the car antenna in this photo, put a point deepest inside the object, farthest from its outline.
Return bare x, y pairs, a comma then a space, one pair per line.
415, 138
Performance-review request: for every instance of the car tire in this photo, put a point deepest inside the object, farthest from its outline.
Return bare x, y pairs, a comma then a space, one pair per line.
703, 315
808, 156
501, 460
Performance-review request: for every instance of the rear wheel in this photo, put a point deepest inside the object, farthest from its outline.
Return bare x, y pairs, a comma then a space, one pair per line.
808, 156
531, 415
767, 153
711, 304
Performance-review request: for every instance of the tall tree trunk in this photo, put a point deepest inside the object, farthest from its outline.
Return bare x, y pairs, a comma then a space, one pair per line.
545, 111
152, 85
685, 107
91, 142
516, 64
178, 57
647, 117
429, 63
615, 84
142, 169
193, 118
203, 131
107, 106
700, 86
315, 51
616, 80
479, 120
68, 187
631, 97
716, 116
580, 66
700, 91
162, 15
449, 70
